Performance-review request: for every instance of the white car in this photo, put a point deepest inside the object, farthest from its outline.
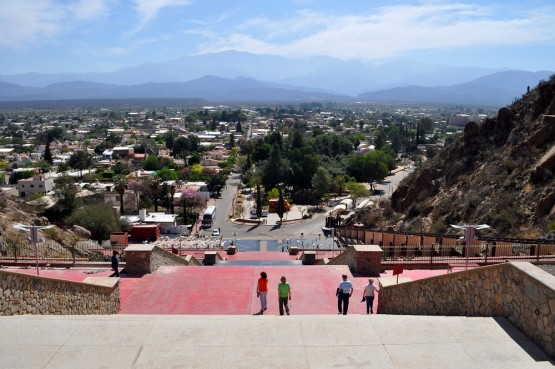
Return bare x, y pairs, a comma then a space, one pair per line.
215, 232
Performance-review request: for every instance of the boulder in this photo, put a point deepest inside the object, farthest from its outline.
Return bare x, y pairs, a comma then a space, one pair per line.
81, 232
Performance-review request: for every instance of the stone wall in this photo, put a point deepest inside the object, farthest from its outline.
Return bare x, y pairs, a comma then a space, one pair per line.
161, 257
29, 294
365, 259
520, 292
141, 259
347, 257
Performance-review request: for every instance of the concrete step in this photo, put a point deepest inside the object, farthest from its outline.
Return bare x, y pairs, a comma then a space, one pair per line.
308, 341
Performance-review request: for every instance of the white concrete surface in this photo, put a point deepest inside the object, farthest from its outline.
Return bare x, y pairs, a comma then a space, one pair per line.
353, 341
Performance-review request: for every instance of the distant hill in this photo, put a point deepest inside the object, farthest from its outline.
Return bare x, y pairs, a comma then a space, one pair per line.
496, 89
324, 73
209, 88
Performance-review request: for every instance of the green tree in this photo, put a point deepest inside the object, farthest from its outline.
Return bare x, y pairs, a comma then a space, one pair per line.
66, 199
99, 219
167, 174
195, 172
369, 167
258, 200
153, 185
321, 183
273, 193
20, 174
48, 153
426, 125
80, 160
357, 190
272, 173
120, 185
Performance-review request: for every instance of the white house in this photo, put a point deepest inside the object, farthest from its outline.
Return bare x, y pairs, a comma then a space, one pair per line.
39, 183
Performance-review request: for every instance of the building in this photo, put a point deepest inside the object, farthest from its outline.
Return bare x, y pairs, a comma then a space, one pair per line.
36, 184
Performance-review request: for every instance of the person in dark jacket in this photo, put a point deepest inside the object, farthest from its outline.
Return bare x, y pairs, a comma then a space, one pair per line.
115, 264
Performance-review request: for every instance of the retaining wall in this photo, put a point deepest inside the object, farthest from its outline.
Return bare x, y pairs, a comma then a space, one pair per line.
520, 292
29, 294
141, 259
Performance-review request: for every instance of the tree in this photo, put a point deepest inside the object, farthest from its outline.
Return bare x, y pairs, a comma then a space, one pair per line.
338, 185
369, 167
258, 201
357, 190
48, 153
272, 173
321, 183
196, 172
231, 141
21, 174
99, 219
181, 147
281, 204
189, 201
66, 199
120, 184
216, 183
167, 174
152, 183
426, 125
80, 160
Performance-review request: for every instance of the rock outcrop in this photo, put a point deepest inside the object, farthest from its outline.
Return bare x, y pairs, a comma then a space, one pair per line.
500, 172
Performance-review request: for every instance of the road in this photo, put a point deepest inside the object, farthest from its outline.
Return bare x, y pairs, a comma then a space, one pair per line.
310, 228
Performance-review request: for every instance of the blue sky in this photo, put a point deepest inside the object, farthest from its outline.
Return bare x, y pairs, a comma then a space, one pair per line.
106, 35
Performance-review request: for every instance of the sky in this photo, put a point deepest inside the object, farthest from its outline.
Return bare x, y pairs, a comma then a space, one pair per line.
52, 36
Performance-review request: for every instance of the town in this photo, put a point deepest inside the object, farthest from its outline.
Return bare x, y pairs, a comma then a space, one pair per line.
125, 159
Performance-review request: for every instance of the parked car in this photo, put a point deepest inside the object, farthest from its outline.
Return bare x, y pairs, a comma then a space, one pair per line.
216, 232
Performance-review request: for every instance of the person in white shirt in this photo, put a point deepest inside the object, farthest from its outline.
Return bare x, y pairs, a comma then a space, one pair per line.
368, 295
343, 292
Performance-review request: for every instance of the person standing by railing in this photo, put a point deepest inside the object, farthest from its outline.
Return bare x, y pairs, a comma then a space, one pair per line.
368, 295
115, 264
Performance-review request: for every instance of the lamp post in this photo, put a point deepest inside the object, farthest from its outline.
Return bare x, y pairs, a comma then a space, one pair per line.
35, 238
469, 236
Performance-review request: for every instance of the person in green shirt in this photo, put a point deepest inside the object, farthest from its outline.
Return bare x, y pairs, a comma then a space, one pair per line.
284, 295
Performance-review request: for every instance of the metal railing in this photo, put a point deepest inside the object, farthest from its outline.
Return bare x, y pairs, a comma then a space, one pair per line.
480, 253
53, 252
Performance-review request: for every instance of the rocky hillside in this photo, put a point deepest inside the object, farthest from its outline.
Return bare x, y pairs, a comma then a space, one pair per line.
500, 172
11, 213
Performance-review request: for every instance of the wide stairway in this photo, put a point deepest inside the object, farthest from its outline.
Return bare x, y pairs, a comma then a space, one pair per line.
233, 341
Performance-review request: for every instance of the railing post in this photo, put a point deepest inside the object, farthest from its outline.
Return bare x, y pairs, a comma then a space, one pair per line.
73, 252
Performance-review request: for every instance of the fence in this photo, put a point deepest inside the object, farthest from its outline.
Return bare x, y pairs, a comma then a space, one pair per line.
53, 252
483, 253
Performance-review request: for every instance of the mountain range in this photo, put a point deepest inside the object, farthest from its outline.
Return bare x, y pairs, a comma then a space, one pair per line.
238, 76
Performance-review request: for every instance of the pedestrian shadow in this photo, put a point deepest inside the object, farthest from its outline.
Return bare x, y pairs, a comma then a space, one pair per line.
253, 227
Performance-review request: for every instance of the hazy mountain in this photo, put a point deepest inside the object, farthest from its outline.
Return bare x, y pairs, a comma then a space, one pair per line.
496, 89
238, 76
210, 88
344, 77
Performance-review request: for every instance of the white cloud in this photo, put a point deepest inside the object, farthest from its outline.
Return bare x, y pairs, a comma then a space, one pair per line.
388, 31
147, 10
89, 9
25, 22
